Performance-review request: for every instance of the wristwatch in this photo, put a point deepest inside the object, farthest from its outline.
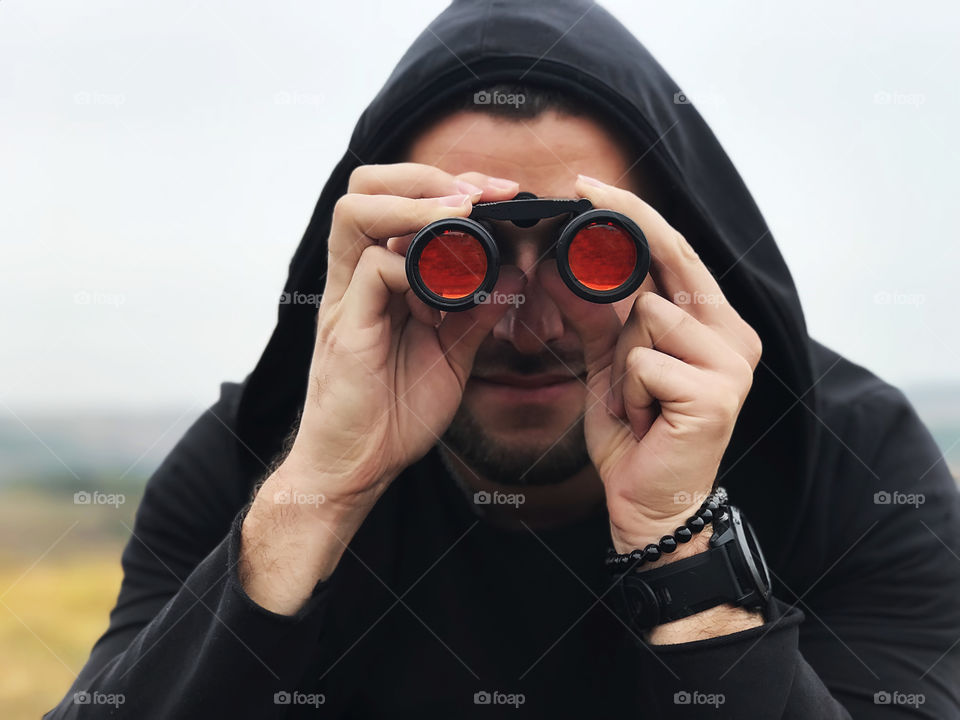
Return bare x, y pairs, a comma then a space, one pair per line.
733, 570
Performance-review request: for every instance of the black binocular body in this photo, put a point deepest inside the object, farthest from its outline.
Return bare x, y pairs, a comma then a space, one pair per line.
453, 264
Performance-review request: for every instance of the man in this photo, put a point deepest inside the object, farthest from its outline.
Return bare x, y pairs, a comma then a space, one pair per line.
371, 575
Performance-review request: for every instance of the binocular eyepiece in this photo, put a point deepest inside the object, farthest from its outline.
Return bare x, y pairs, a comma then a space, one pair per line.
453, 264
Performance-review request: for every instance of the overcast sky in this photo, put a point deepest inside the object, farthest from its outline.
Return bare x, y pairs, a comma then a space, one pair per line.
160, 161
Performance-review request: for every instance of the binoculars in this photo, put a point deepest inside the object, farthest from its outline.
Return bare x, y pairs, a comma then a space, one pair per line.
602, 255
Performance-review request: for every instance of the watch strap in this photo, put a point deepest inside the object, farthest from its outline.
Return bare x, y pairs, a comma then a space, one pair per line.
679, 589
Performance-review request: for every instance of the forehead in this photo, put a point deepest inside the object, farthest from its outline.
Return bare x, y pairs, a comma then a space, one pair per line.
543, 154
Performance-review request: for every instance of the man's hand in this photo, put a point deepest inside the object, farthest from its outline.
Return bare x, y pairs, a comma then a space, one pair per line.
386, 378
665, 387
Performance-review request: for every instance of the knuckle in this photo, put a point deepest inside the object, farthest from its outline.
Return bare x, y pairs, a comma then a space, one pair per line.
421, 211
745, 375
661, 369
345, 207
635, 360
358, 177
731, 405
651, 365
683, 247
369, 259
645, 303
754, 348
724, 407
472, 176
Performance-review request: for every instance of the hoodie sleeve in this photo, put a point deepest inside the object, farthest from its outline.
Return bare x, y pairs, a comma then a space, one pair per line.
875, 633
185, 640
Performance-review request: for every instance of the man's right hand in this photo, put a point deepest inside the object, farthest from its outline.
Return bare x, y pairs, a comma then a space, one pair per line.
386, 378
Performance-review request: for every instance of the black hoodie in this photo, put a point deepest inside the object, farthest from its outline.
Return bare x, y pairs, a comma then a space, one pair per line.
431, 612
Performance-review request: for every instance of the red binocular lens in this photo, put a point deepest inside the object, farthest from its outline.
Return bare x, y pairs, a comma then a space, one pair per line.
602, 255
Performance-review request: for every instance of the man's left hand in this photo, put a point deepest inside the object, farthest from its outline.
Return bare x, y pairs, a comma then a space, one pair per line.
665, 386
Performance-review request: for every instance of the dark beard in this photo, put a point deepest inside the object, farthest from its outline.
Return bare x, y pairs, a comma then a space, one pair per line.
467, 439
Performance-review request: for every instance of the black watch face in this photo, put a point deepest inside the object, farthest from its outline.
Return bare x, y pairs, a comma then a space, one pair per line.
751, 553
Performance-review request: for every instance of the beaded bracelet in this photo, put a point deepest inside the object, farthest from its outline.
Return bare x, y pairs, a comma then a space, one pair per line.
669, 543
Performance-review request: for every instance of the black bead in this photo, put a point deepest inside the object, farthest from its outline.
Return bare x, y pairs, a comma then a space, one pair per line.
683, 534
712, 505
696, 523
705, 514
668, 544
651, 553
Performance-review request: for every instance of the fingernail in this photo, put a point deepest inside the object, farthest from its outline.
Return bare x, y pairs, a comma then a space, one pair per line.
452, 200
502, 183
591, 181
469, 188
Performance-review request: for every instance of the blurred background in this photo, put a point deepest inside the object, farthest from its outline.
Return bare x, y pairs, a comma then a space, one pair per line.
160, 161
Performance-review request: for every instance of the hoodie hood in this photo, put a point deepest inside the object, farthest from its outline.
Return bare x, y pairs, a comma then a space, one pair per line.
579, 48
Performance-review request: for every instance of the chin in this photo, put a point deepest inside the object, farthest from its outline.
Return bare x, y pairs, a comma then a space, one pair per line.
537, 418
516, 451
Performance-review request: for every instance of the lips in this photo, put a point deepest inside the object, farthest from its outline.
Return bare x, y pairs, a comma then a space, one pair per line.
528, 381
513, 390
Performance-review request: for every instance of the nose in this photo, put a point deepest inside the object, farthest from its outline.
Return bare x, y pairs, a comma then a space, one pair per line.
531, 324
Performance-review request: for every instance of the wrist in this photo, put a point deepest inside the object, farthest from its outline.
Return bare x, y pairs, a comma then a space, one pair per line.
671, 539
719, 587
293, 500
292, 538
710, 623
624, 541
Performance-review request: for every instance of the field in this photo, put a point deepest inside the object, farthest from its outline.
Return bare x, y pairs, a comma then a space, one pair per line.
59, 577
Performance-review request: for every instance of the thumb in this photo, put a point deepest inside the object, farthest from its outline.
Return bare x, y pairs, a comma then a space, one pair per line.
597, 324
461, 333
